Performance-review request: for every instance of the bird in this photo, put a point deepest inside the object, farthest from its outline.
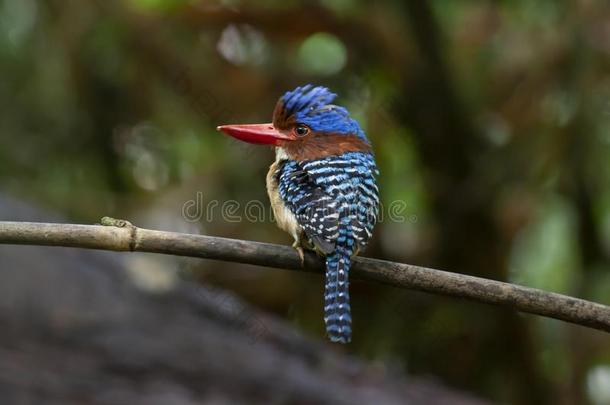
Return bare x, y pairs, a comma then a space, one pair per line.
322, 187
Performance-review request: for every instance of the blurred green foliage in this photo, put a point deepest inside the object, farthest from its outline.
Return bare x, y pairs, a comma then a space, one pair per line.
491, 125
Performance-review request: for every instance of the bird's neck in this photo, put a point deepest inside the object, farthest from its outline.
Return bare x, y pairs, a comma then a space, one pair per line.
321, 146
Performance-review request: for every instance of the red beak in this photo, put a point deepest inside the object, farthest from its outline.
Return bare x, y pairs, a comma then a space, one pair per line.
261, 134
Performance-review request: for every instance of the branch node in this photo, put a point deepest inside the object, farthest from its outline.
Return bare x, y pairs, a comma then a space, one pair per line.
122, 223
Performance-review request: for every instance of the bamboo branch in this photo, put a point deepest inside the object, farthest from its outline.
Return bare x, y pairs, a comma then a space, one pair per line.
118, 235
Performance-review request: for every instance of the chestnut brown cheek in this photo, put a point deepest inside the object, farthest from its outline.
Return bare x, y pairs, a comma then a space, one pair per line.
321, 146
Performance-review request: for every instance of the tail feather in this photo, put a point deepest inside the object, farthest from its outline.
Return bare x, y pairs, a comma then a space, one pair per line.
337, 313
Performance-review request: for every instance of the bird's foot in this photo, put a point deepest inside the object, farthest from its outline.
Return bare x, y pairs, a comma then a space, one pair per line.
297, 246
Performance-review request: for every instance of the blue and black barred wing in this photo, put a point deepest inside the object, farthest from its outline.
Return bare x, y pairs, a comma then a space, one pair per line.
349, 180
332, 194
315, 211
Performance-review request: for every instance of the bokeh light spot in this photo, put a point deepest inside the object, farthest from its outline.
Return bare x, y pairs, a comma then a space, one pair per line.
242, 45
598, 385
323, 54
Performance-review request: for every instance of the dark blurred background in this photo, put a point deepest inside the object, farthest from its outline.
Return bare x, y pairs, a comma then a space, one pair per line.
491, 126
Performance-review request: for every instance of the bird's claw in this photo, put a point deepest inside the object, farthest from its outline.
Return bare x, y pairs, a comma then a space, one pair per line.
301, 252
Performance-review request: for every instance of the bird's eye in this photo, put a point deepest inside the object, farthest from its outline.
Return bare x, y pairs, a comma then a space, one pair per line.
301, 130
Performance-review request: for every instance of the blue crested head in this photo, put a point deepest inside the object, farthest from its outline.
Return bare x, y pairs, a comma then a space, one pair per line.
312, 106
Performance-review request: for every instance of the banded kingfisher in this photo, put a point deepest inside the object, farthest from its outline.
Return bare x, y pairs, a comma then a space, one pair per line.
322, 187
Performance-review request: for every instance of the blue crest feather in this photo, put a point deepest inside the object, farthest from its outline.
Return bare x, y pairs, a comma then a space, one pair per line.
312, 106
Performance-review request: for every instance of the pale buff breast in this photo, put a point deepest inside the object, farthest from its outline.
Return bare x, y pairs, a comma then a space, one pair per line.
284, 217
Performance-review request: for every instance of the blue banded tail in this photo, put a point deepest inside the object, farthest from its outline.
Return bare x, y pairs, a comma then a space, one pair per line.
337, 312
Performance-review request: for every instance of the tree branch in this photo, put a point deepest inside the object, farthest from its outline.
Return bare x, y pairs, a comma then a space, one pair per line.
119, 235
